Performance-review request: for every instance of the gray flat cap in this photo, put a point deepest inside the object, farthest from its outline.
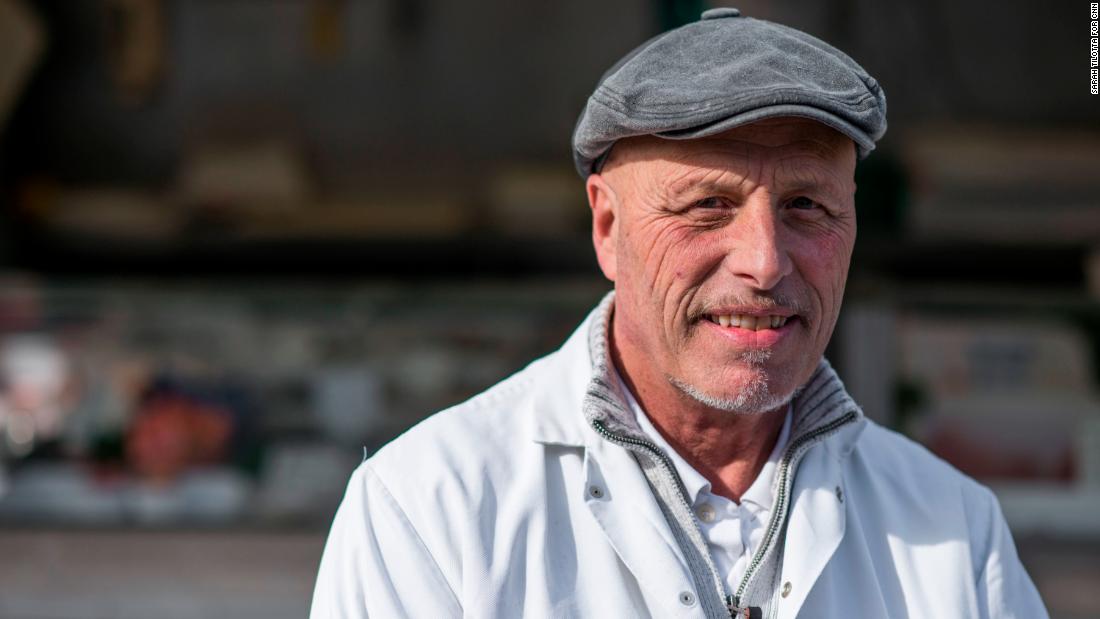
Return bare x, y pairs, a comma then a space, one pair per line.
721, 72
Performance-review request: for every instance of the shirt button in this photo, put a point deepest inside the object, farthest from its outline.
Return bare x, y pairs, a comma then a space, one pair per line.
687, 598
786, 589
595, 491
705, 512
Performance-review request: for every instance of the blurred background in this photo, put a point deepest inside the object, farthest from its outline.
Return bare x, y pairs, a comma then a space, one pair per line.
241, 241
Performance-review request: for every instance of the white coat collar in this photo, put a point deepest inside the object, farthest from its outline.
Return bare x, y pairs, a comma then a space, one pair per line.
559, 390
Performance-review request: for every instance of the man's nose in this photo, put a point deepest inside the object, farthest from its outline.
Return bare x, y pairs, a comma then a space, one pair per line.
758, 254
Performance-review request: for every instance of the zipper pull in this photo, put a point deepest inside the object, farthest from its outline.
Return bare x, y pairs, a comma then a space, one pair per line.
742, 612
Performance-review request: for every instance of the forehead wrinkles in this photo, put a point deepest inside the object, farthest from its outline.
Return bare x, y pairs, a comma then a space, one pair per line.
811, 172
757, 154
717, 161
754, 155
686, 179
707, 166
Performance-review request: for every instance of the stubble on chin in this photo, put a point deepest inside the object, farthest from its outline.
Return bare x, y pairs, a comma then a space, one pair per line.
754, 398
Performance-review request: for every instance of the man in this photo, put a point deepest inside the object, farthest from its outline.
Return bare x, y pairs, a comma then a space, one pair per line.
688, 452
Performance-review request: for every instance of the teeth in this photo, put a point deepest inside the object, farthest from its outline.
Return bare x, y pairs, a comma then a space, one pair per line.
752, 323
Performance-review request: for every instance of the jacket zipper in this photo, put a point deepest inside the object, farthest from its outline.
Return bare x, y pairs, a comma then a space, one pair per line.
779, 512
733, 602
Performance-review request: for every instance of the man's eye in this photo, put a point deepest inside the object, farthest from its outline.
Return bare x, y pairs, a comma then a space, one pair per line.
711, 203
803, 203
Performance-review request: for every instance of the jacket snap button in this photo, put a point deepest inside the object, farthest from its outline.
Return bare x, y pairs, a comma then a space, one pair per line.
839, 495
719, 13
786, 589
687, 598
596, 492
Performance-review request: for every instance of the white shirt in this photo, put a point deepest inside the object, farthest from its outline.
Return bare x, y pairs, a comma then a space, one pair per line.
733, 531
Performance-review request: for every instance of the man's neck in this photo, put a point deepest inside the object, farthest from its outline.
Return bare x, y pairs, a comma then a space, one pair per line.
728, 449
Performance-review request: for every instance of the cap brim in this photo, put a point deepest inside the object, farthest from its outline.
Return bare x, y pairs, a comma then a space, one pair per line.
864, 143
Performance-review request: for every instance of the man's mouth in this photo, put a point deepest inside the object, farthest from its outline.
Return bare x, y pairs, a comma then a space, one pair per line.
749, 322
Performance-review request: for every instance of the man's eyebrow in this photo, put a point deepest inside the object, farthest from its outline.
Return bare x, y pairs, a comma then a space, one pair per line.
810, 177
788, 178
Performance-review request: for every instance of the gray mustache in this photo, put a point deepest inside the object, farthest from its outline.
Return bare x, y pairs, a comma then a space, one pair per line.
759, 301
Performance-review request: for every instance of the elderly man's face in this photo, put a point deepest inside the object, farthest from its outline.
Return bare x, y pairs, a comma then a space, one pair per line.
729, 256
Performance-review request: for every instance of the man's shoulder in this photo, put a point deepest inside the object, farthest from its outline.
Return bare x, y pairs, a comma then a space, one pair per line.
920, 500
920, 492
426, 495
540, 403
488, 426
476, 450
901, 460
440, 476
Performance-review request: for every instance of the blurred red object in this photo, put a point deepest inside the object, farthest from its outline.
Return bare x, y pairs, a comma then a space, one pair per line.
172, 433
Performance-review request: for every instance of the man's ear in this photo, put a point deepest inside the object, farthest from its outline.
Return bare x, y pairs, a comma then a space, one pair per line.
605, 222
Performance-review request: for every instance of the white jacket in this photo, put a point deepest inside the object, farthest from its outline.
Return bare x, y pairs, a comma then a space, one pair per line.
513, 505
